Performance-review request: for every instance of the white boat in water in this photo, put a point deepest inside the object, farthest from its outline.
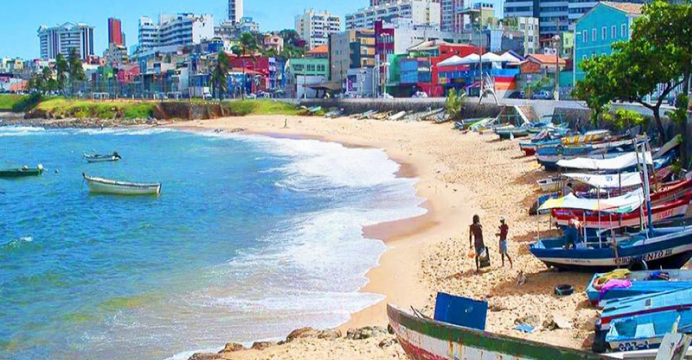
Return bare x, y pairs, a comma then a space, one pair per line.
96, 158
113, 187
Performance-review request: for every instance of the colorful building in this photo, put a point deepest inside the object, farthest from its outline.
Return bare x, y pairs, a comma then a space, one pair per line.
349, 50
597, 30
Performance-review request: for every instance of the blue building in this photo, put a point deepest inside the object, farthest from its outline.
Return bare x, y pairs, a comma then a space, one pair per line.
596, 31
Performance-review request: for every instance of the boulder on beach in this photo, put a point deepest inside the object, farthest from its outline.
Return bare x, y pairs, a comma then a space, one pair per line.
329, 334
302, 333
261, 345
365, 332
205, 356
232, 347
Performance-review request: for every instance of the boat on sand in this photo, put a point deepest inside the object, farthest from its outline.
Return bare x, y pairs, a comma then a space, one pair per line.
114, 187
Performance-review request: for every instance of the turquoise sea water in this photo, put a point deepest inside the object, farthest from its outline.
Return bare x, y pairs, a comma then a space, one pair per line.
251, 237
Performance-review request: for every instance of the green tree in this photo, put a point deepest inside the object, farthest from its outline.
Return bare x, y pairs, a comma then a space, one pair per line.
247, 48
219, 79
454, 103
36, 83
623, 119
75, 69
595, 89
62, 68
49, 83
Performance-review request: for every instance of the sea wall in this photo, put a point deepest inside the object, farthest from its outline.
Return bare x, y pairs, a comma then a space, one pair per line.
357, 106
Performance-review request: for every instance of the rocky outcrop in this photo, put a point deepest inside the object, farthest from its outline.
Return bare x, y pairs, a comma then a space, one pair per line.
205, 356
232, 347
365, 332
261, 345
310, 333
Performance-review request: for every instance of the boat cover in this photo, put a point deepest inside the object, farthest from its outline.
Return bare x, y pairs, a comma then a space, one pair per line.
620, 204
613, 181
617, 163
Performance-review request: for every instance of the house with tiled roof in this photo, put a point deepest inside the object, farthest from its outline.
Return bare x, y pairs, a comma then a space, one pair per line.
596, 31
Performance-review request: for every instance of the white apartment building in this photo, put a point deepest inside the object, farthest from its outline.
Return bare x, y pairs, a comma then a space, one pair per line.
148, 34
421, 12
315, 27
174, 30
62, 39
235, 10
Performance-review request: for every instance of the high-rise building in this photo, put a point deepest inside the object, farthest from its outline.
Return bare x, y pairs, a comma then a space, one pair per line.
62, 39
422, 12
148, 34
315, 27
235, 10
174, 30
115, 32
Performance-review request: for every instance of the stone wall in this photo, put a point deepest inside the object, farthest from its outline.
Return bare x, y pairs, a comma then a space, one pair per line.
356, 106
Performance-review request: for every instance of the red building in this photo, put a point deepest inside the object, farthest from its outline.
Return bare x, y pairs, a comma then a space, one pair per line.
115, 32
257, 67
429, 54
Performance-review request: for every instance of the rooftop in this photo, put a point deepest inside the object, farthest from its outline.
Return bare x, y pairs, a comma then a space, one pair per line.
628, 8
319, 50
546, 59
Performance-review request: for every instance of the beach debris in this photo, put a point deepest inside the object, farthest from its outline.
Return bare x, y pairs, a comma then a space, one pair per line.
554, 323
261, 345
524, 328
232, 347
387, 343
531, 320
564, 290
365, 332
496, 306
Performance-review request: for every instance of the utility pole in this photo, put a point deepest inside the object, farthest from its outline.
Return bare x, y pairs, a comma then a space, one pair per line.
557, 66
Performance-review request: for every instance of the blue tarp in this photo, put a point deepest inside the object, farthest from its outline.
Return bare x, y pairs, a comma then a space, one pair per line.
461, 311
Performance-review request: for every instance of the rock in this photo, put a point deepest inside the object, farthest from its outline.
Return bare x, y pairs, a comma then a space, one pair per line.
302, 333
261, 345
365, 332
329, 334
390, 329
552, 323
232, 347
205, 356
387, 343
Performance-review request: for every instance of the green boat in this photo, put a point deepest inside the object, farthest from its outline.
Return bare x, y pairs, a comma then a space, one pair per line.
21, 172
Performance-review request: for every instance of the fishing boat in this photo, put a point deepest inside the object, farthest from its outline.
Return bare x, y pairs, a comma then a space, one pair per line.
398, 116
429, 114
641, 306
624, 283
531, 147
511, 132
428, 339
646, 331
334, 113
588, 137
24, 171
96, 158
550, 184
113, 187
366, 114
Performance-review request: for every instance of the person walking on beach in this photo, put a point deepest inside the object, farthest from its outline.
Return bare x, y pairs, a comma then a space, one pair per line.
504, 230
476, 234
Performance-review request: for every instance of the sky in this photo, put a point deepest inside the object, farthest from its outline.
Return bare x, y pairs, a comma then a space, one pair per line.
21, 18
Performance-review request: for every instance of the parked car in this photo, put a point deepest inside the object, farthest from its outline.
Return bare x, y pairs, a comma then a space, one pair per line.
251, 96
420, 94
516, 95
542, 95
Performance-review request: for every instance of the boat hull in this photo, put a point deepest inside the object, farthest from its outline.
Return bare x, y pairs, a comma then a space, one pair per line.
424, 339
18, 173
669, 251
111, 187
679, 279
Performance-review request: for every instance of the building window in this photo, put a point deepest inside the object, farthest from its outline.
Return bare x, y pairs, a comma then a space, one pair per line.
583, 57
613, 32
594, 34
623, 31
604, 33
585, 35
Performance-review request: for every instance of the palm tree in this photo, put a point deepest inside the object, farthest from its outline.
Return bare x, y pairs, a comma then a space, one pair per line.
76, 70
219, 80
61, 68
247, 47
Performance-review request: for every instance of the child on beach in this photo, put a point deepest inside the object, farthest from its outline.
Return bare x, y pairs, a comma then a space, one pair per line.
504, 230
476, 233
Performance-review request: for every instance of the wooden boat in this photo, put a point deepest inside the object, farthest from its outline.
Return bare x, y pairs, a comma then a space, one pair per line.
96, 158
334, 113
586, 138
603, 220
113, 187
550, 184
531, 147
366, 114
646, 331
641, 282
511, 131
21, 172
429, 114
667, 248
427, 339
398, 116
659, 304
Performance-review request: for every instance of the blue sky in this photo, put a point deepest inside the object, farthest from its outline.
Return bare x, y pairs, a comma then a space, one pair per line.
21, 18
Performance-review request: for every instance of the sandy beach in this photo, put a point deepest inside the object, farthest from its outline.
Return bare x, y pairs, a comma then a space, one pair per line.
459, 175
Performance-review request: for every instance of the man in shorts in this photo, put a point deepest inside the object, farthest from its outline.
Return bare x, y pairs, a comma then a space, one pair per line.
504, 230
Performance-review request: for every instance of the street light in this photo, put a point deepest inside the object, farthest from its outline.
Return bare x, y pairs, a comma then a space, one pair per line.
556, 39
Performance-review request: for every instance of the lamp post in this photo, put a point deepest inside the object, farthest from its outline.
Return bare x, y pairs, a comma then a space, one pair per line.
556, 38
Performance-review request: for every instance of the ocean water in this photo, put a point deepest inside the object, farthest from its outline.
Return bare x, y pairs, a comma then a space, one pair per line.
251, 237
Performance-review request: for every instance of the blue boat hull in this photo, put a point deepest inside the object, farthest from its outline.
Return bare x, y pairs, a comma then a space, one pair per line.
671, 248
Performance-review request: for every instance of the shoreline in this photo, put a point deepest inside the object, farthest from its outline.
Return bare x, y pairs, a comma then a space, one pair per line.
397, 274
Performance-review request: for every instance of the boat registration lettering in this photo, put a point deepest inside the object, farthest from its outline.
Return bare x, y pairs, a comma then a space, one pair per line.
646, 257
